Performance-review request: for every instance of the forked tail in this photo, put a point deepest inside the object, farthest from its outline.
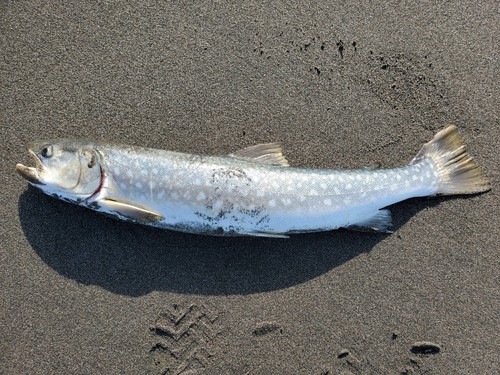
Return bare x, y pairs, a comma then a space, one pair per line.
457, 172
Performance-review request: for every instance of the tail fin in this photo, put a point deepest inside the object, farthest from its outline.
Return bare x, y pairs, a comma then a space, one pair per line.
457, 172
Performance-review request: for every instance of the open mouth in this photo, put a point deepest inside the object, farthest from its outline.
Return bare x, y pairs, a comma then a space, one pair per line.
32, 174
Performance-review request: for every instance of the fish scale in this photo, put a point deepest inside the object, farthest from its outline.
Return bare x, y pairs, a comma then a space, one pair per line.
250, 192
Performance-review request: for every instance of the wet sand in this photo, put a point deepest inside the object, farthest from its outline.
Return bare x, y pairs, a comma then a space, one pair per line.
338, 86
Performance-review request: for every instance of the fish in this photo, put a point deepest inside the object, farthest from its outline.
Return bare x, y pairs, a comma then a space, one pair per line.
250, 192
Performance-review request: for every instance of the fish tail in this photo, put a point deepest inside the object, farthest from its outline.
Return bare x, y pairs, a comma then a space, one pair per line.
457, 172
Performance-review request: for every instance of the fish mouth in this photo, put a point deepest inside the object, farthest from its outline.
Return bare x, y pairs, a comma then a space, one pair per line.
32, 174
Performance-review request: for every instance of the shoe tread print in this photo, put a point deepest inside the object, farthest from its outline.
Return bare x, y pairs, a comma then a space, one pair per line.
183, 340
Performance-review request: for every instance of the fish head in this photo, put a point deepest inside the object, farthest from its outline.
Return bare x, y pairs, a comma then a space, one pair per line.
67, 169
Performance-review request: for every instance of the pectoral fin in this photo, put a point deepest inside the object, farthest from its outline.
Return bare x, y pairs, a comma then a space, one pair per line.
131, 211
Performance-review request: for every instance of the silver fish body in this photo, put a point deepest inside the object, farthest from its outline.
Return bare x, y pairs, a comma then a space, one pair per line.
253, 191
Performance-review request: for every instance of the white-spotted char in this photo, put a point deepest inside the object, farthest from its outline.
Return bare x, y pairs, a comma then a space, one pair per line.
251, 192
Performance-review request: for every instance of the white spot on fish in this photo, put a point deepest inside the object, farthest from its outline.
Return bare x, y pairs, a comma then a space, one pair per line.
299, 185
313, 192
286, 201
201, 196
359, 177
327, 202
323, 185
276, 184
302, 198
129, 174
218, 205
272, 203
398, 177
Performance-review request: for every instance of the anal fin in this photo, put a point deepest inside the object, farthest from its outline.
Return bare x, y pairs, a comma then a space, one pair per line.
380, 222
130, 211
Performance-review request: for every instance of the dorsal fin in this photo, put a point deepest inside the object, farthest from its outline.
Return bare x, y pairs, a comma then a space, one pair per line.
265, 153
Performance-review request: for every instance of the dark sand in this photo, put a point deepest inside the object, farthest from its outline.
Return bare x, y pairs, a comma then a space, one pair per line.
339, 86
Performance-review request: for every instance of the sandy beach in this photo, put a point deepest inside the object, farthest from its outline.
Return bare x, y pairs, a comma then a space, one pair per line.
338, 85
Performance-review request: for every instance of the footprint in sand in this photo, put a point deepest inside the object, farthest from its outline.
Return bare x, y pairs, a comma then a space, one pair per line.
183, 338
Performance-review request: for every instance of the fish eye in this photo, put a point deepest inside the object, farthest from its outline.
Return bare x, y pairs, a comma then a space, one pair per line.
46, 151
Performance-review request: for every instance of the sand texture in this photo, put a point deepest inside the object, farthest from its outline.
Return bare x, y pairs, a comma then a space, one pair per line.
339, 85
